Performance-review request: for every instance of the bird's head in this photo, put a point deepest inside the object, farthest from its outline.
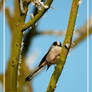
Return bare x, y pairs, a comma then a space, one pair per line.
56, 43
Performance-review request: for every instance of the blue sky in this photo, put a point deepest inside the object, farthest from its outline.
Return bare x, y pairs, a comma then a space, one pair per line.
73, 78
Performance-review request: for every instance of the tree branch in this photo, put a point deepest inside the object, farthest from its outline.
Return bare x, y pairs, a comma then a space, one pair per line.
82, 32
52, 32
17, 34
1, 78
1, 4
81, 38
38, 16
65, 47
29, 87
12, 69
9, 18
23, 68
23, 72
13, 63
24, 6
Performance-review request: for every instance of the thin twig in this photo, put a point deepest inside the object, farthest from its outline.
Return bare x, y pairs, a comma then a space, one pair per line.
38, 16
1, 78
81, 38
51, 32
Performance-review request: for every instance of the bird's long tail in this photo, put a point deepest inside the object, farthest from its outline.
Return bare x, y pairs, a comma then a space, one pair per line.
36, 71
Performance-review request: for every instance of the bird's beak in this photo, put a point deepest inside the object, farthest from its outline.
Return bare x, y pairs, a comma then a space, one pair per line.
58, 43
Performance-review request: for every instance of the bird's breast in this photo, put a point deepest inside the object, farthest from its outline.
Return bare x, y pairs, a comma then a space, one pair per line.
53, 55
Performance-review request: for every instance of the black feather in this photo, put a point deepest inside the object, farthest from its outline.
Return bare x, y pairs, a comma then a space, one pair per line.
44, 58
48, 67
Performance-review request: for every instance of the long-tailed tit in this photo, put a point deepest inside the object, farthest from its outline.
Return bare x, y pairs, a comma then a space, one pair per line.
50, 58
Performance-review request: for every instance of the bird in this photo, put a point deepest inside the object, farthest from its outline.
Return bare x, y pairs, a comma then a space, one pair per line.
49, 59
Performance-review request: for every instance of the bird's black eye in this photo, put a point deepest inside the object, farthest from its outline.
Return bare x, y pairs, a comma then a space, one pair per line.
55, 43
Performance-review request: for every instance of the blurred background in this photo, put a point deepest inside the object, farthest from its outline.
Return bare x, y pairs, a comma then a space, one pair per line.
74, 75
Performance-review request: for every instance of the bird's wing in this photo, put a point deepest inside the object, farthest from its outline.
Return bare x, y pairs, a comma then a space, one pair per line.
51, 55
44, 58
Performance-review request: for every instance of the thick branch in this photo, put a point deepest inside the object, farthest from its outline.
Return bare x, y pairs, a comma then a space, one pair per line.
11, 79
64, 52
12, 69
24, 71
23, 68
